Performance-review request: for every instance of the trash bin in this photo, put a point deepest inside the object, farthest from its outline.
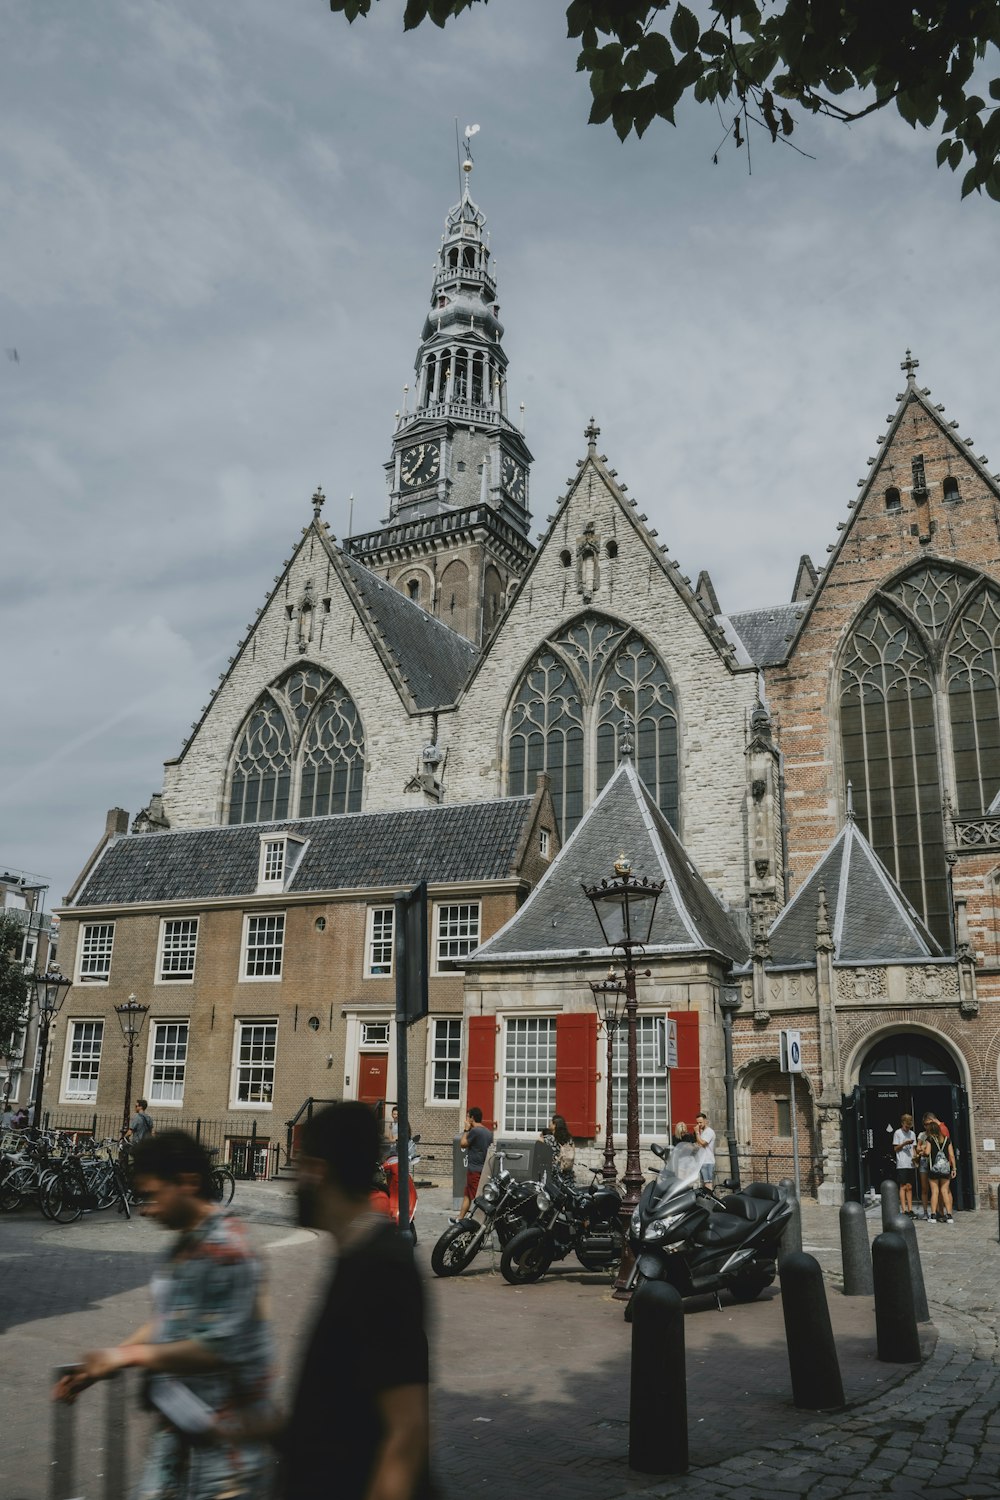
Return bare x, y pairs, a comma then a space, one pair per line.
536, 1157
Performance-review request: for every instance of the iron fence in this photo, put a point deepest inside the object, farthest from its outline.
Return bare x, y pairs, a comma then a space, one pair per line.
252, 1147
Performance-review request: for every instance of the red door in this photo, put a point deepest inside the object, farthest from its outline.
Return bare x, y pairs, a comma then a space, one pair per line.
373, 1074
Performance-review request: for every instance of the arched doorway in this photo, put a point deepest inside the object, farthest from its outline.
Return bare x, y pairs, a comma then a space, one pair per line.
904, 1073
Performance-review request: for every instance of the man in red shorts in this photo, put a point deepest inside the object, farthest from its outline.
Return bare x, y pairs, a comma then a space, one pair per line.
476, 1141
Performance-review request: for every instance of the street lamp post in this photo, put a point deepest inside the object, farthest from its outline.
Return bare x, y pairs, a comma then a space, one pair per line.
625, 907
608, 996
50, 990
131, 1017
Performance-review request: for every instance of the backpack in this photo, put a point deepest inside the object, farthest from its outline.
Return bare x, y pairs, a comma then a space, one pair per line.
940, 1163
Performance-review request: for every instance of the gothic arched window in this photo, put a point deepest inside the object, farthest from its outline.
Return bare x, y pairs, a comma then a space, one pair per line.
973, 669
569, 711
333, 758
924, 658
262, 767
303, 745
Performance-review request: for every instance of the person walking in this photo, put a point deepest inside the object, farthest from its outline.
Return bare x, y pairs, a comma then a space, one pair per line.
358, 1427
141, 1124
207, 1351
475, 1141
904, 1144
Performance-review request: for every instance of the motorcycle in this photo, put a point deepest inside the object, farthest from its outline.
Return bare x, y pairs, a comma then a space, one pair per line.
582, 1221
505, 1205
682, 1234
384, 1196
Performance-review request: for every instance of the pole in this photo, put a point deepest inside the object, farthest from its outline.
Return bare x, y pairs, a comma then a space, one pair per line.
795, 1139
730, 1082
402, 1083
657, 1412
609, 1172
632, 1180
40, 1080
128, 1081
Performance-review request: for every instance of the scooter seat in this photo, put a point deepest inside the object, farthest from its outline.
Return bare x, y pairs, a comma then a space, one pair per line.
750, 1209
720, 1230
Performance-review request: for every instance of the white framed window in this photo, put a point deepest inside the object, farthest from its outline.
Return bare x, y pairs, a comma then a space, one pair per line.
378, 942
168, 1049
83, 1060
529, 1073
254, 1050
272, 861
97, 939
445, 1060
374, 1033
178, 950
544, 842
456, 931
654, 1097
263, 945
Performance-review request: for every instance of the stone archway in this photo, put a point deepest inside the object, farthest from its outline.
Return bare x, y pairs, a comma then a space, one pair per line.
763, 1120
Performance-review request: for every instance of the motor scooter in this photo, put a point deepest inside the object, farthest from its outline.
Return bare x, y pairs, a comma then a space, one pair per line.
384, 1197
682, 1234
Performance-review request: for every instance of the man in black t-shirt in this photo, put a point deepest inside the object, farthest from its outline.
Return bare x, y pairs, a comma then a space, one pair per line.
359, 1424
475, 1141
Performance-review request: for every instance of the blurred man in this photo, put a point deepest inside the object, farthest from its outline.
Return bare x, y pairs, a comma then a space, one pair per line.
208, 1346
358, 1429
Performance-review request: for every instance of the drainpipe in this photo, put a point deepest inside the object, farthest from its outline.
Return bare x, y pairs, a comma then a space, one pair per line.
730, 1000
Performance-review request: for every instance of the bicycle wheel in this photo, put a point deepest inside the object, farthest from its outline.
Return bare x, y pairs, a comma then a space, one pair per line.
223, 1185
61, 1203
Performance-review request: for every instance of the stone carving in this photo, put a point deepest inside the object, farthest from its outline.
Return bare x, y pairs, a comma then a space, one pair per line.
861, 984
932, 982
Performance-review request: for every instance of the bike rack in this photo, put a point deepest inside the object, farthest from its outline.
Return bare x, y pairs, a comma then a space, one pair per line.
63, 1482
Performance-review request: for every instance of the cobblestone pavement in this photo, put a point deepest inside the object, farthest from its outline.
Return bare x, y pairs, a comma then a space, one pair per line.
531, 1384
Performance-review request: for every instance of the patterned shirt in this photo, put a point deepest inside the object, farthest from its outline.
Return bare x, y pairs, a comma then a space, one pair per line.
209, 1287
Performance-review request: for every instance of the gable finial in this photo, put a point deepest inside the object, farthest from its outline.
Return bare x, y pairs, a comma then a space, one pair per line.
909, 366
850, 802
625, 745
318, 501
592, 432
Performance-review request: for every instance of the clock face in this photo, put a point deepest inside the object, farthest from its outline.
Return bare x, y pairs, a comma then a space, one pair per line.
512, 476
420, 464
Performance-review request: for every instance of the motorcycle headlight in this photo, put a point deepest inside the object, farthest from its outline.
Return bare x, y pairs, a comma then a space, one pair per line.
668, 1223
543, 1200
490, 1192
656, 1230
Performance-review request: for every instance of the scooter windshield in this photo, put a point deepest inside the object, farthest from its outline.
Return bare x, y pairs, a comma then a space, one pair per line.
681, 1168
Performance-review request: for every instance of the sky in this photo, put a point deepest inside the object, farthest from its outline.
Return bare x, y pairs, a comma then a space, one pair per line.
219, 227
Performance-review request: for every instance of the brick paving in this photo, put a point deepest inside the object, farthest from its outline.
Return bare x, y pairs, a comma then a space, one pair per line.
531, 1384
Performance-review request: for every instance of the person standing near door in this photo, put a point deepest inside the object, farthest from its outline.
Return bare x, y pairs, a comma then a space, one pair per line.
941, 1168
903, 1144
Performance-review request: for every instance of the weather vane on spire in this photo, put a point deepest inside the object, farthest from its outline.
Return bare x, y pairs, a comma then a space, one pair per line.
465, 164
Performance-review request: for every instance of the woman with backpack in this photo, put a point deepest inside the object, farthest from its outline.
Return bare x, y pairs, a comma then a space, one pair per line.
941, 1168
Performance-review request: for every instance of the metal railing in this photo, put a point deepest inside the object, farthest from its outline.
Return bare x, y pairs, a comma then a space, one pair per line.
246, 1142
66, 1481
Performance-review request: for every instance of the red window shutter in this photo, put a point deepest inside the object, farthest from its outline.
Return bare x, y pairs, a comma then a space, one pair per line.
576, 1072
482, 1068
685, 1079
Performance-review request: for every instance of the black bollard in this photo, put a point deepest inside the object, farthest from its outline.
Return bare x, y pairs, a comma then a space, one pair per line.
906, 1227
895, 1320
855, 1251
657, 1413
791, 1240
889, 1194
812, 1353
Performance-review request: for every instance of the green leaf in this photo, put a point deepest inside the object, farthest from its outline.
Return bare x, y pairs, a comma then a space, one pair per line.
644, 107
657, 52
577, 16
970, 182
622, 117
668, 89
713, 42
685, 29
634, 69
995, 88
601, 108
992, 184
414, 13
955, 153
942, 152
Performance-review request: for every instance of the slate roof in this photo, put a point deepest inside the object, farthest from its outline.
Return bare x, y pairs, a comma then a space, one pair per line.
871, 920
475, 841
557, 920
763, 632
434, 659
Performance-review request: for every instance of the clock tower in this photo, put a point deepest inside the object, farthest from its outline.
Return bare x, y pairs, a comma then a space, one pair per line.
456, 537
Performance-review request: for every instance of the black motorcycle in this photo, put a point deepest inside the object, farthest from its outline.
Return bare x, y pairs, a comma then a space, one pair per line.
582, 1221
681, 1234
506, 1206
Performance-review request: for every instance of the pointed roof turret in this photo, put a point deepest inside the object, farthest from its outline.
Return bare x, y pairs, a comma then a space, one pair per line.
870, 920
558, 922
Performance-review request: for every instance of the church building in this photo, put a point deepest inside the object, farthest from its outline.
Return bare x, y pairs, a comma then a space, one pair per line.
816, 784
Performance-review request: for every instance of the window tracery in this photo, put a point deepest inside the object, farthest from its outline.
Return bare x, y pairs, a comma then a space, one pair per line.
303, 745
570, 706
898, 690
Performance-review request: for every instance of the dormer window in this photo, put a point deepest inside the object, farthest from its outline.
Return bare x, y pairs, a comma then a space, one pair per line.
544, 842
279, 854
